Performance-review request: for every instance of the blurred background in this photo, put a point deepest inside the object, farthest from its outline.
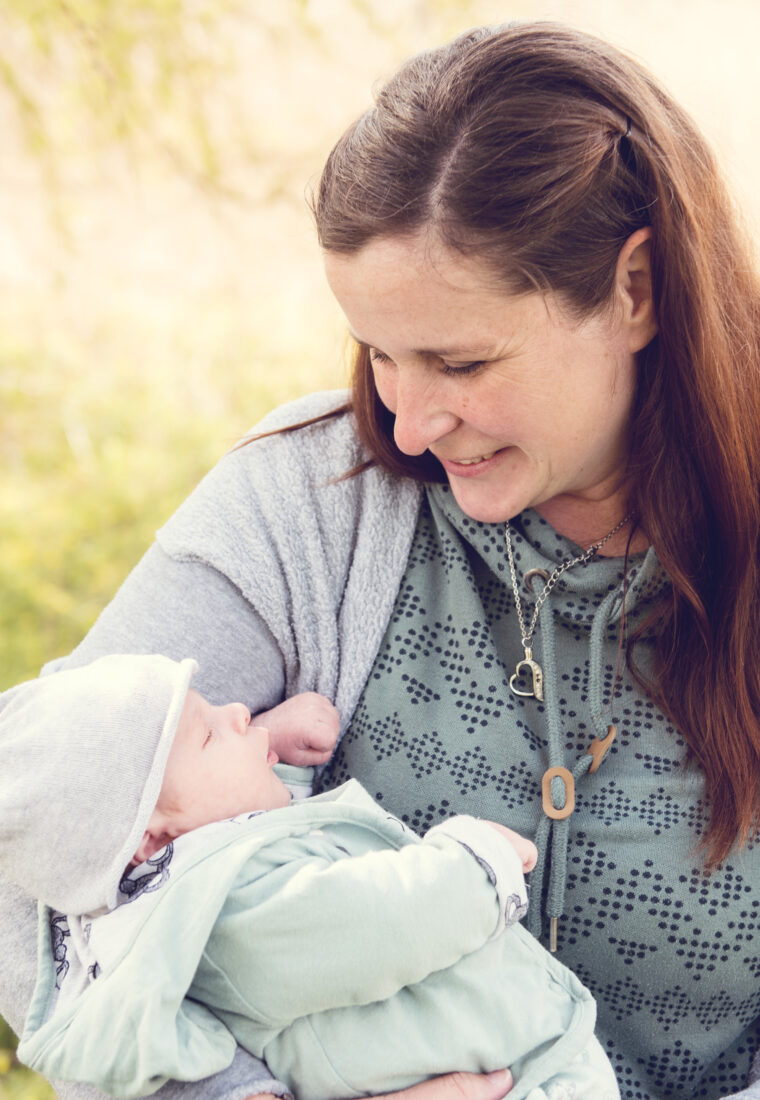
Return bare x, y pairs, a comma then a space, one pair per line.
160, 285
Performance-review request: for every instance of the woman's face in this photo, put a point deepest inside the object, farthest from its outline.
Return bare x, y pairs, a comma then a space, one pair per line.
520, 402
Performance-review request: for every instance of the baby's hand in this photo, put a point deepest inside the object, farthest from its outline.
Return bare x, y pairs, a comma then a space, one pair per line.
302, 730
524, 847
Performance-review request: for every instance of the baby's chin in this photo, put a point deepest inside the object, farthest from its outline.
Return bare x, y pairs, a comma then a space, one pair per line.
280, 798
284, 798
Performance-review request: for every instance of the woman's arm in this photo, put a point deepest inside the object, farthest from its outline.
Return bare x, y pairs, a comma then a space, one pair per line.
188, 609
234, 1083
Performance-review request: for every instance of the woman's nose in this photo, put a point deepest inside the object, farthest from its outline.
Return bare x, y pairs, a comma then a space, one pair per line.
421, 415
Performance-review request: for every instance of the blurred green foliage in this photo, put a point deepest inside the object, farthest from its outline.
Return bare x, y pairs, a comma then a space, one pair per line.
72, 510
86, 491
114, 74
88, 474
17, 1082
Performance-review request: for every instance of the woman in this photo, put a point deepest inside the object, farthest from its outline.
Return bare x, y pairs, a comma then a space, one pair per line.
523, 559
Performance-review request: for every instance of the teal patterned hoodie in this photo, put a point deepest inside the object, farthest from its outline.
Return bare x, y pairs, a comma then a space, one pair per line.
438, 731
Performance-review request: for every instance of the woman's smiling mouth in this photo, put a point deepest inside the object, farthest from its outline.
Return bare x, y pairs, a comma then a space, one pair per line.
469, 467
472, 461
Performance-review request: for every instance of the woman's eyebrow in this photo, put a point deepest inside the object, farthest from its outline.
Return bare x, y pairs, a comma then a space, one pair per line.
450, 352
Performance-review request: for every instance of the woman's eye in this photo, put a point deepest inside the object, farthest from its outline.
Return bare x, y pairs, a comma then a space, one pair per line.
462, 368
379, 358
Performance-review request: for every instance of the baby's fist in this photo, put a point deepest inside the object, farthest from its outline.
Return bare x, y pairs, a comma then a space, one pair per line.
302, 730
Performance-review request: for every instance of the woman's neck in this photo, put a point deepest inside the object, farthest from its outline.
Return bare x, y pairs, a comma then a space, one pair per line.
585, 521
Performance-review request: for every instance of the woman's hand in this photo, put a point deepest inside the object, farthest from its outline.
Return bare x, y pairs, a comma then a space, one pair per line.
459, 1086
454, 1086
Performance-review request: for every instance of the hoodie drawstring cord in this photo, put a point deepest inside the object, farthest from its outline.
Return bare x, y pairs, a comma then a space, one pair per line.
558, 787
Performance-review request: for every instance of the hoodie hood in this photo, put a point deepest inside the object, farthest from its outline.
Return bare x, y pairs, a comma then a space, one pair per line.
67, 829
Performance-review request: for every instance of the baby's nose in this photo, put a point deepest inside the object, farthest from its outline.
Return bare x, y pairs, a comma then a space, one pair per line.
242, 718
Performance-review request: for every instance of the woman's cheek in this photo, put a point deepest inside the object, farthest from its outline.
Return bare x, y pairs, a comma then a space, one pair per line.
385, 386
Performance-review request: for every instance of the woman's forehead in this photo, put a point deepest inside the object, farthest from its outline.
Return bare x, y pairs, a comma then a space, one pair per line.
415, 255
439, 303
418, 311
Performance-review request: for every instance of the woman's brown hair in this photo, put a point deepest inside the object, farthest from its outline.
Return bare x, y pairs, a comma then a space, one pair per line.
540, 150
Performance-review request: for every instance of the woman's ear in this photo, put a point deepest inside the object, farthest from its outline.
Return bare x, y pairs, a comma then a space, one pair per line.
633, 281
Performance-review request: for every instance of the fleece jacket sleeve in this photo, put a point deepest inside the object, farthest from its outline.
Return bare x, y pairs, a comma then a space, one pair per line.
356, 930
189, 609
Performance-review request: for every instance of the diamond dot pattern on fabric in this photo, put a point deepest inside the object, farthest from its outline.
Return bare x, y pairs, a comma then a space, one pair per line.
671, 954
660, 765
610, 805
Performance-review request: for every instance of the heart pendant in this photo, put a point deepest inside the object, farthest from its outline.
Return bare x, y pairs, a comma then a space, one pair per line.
537, 680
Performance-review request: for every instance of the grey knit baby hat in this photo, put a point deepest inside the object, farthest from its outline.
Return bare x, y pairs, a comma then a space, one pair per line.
82, 758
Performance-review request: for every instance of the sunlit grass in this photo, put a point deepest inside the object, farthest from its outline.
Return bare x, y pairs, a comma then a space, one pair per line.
89, 471
20, 1083
17, 1082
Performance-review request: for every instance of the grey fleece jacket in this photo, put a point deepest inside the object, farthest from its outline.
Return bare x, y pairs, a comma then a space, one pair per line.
277, 578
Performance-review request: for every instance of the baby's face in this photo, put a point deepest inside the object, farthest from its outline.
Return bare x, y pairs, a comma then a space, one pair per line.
219, 766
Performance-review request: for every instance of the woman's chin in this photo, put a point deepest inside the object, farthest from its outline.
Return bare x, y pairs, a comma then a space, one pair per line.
496, 490
487, 505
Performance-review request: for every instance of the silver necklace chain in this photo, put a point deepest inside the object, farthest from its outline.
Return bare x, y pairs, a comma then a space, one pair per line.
526, 636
